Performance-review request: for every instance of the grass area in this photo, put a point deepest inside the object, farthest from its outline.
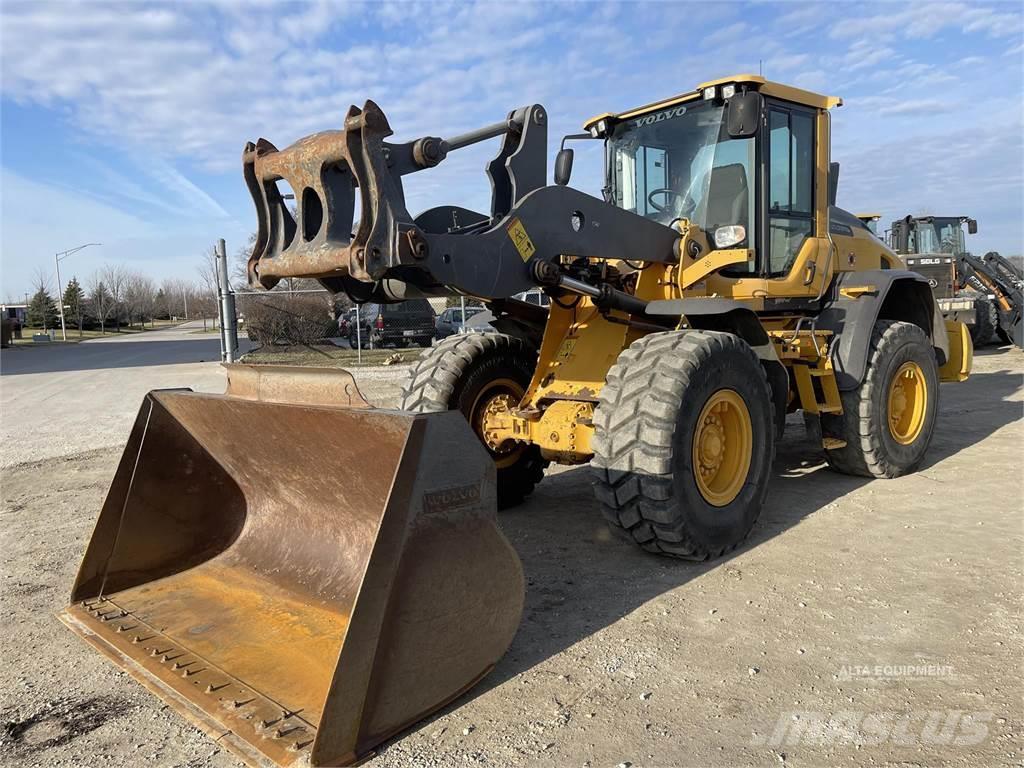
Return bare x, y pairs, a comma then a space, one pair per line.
75, 336
327, 356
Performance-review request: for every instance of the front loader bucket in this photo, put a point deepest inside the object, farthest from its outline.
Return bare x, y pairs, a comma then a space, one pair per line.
301, 580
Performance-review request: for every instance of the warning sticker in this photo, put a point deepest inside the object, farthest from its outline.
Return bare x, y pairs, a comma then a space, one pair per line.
566, 348
520, 239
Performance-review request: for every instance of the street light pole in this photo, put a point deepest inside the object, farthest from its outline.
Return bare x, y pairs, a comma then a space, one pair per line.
57, 258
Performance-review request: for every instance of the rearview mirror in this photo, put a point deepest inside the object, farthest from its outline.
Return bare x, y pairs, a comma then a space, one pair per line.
972, 226
563, 166
743, 115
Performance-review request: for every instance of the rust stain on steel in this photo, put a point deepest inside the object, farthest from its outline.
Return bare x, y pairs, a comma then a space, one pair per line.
294, 384
326, 171
294, 576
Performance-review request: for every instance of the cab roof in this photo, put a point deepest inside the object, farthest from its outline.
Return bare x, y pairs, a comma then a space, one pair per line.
755, 82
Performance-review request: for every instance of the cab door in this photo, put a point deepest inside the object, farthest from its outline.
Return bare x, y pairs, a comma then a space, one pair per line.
794, 203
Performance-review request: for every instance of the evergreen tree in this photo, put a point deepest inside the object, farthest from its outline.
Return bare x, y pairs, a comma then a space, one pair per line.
74, 303
42, 310
161, 306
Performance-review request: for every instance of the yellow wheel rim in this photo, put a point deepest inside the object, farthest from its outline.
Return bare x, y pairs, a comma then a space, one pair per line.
908, 403
499, 392
723, 441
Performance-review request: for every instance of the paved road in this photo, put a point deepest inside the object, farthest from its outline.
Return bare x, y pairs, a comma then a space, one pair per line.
61, 399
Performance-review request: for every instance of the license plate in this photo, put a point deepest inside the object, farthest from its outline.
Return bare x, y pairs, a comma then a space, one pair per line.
408, 333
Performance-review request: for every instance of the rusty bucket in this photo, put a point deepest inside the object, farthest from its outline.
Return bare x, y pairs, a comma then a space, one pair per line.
299, 578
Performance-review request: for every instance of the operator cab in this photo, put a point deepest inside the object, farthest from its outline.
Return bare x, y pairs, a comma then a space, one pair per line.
932, 234
742, 159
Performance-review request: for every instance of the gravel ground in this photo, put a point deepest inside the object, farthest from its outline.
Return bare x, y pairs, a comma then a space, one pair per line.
864, 623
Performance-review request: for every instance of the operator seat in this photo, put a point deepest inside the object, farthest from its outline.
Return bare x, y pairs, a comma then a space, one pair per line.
727, 198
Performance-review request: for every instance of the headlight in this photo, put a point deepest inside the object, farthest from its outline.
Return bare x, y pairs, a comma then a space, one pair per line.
732, 234
709, 93
728, 91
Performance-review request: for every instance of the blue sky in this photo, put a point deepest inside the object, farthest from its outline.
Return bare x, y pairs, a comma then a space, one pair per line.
123, 123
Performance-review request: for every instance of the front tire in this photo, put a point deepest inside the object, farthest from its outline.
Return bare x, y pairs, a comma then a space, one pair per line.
465, 373
684, 442
888, 421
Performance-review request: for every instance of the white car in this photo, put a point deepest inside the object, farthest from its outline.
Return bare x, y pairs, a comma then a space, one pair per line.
534, 296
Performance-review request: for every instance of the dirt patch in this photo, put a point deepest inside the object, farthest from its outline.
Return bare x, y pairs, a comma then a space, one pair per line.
57, 723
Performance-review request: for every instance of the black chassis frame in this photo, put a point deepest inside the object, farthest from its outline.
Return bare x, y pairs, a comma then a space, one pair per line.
444, 249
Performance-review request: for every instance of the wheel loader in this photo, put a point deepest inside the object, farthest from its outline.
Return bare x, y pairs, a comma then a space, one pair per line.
985, 292
305, 576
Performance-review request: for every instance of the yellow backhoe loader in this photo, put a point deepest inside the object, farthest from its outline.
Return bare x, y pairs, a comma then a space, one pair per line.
304, 576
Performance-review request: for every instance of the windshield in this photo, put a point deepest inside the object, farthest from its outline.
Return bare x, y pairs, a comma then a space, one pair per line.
939, 236
681, 163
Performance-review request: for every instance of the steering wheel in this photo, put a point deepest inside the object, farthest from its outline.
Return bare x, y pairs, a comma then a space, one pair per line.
669, 194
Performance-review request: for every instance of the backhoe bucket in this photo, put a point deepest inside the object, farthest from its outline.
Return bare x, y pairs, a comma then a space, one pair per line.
301, 580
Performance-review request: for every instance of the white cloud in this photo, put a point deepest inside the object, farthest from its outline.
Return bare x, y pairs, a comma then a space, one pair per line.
178, 89
926, 19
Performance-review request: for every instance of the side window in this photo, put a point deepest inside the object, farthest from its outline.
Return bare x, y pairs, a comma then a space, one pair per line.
791, 186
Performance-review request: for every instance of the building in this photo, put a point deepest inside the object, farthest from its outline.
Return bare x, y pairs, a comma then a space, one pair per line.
16, 313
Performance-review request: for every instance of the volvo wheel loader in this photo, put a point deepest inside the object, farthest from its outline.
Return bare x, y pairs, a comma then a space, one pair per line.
305, 576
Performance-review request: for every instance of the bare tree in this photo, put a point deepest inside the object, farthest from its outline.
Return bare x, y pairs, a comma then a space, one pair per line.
41, 280
206, 301
139, 295
179, 294
115, 279
240, 268
100, 299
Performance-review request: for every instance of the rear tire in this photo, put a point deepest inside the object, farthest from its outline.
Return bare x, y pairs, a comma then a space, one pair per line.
889, 420
460, 374
985, 322
673, 405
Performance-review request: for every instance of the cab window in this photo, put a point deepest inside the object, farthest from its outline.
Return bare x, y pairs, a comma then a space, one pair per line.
791, 185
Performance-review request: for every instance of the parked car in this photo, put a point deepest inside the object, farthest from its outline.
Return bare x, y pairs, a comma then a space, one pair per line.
451, 321
481, 322
534, 296
345, 323
402, 324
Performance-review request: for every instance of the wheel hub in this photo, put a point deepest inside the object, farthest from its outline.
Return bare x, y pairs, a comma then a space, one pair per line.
491, 418
712, 444
722, 447
907, 403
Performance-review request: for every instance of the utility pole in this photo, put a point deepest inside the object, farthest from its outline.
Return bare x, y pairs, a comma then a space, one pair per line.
226, 305
184, 297
57, 259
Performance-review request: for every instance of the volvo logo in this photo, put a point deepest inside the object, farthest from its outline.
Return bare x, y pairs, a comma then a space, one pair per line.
658, 117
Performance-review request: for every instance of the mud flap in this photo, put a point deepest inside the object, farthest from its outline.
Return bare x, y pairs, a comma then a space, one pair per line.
301, 580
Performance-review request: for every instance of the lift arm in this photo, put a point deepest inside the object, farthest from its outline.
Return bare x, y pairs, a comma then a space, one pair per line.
385, 249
